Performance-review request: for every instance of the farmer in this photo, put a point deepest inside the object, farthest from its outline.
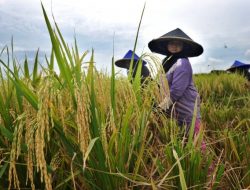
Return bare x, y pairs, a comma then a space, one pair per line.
125, 63
184, 98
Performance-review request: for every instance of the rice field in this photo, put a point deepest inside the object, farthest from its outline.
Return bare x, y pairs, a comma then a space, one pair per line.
84, 129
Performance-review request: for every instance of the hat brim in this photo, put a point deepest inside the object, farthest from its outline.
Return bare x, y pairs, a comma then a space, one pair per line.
125, 63
190, 49
246, 66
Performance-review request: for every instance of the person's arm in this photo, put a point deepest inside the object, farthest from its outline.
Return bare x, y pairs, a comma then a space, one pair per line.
182, 75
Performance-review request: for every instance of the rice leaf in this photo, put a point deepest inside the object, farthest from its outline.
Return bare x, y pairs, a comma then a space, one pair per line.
91, 144
112, 89
181, 173
234, 149
62, 62
6, 133
137, 34
3, 169
26, 68
220, 172
65, 47
35, 68
21, 87
191, 130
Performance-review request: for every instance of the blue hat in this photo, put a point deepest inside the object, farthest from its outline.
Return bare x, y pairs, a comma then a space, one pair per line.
125, 61
238, 65
190, 47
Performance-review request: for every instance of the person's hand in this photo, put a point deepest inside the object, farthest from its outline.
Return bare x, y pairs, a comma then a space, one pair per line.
155, 106
166, 103
157, 109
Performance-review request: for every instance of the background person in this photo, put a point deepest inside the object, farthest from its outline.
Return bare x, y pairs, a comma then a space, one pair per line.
125, 63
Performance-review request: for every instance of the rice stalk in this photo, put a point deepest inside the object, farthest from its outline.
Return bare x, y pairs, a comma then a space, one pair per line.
43, 127
15, 153
82, 118
29, 141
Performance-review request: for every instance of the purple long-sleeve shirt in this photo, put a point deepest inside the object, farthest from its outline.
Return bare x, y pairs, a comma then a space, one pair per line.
183, 92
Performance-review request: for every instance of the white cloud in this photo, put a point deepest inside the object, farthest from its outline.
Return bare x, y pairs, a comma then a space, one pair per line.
217, 64
209, 64
247, 53
211, 23
212, 61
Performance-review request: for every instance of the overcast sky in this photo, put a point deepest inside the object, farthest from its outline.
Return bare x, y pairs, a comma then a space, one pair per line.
221, 27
